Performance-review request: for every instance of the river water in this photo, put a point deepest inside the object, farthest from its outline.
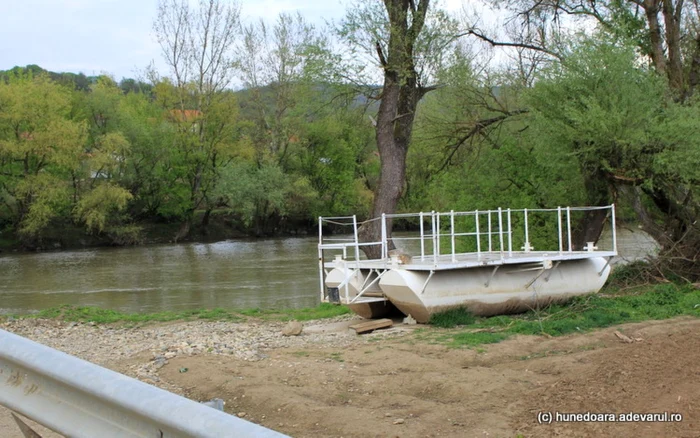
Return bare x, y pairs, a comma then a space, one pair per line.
267, 273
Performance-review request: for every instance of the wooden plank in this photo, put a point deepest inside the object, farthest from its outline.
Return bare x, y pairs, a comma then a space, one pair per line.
374, 324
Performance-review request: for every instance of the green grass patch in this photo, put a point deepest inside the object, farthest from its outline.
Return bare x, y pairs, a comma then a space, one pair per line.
452, 318
322, 311
107, 316
582, 314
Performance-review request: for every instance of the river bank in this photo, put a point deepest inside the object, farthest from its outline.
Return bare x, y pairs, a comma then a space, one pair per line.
219, 227
403, 381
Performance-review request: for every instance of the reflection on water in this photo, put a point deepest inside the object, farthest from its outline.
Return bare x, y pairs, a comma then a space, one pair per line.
271, 273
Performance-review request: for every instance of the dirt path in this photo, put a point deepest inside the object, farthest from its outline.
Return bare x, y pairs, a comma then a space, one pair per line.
406, 387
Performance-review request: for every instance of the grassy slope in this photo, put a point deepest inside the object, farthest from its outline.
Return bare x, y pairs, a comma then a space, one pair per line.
581, 314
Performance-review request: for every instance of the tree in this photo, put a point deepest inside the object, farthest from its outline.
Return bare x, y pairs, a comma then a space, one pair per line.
409, 42
271, 63
628, 138
197, 44
48, 167
667, 32
38, 143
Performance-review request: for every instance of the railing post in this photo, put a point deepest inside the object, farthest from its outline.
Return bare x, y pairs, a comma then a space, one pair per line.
568, 226
437, 228
452, 233
385, 244
432, 224
527, 245
510, 235
478, 236
422, 238
489, 228
561, 240
320, 257
500, 229
357, 240
614, 232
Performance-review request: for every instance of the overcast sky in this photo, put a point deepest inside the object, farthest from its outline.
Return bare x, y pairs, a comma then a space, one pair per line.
113, 36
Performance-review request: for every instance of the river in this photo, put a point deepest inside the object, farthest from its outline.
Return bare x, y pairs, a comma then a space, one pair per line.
265, 273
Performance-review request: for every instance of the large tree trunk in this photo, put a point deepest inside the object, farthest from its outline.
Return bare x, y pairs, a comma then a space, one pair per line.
672, 24
590, 226
400, 95
651, 10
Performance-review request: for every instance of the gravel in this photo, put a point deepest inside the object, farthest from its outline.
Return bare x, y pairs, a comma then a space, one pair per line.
156, 344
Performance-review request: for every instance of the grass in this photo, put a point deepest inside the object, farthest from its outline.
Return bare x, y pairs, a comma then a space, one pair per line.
580, 315
452, 318
322, 311
107, 316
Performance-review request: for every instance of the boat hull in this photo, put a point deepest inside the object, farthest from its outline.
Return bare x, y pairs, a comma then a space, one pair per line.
484, 291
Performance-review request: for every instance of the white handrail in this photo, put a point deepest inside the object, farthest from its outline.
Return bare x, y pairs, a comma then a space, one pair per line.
499, 227
79, 399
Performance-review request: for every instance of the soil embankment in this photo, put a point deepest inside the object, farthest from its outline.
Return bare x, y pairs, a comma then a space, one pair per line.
331, 383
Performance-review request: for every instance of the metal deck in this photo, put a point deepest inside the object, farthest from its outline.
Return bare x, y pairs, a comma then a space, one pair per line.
473, 260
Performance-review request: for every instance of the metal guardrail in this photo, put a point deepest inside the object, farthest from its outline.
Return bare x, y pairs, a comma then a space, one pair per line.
79, 399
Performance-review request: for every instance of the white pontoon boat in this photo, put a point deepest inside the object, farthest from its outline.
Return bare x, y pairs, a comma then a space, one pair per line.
467, 261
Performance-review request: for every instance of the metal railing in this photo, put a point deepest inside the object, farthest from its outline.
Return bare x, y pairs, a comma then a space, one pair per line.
486, 232
79, 399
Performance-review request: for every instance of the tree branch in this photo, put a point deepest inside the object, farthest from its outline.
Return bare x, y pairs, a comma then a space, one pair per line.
478, 127
511, 44
380, 53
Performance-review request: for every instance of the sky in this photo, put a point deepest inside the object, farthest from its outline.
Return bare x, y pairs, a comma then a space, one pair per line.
114, 36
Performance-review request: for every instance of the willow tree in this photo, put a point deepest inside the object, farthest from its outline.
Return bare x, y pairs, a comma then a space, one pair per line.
407, 41
198, 44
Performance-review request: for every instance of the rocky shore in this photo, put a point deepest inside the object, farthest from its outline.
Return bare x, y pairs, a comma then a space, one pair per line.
156, 344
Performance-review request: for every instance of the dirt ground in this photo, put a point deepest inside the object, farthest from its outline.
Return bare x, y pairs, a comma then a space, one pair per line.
408, 387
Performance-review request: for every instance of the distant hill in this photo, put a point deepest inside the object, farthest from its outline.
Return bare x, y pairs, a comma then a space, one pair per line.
76, 80
81, 82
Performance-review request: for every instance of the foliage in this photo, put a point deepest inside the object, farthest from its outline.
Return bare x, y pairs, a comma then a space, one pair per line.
96, 207
39, 146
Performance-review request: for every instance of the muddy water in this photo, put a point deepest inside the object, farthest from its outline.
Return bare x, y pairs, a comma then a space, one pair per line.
270, 273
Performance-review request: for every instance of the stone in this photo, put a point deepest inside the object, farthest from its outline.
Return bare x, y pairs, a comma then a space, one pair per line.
409, 320
293, 328
399, 421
